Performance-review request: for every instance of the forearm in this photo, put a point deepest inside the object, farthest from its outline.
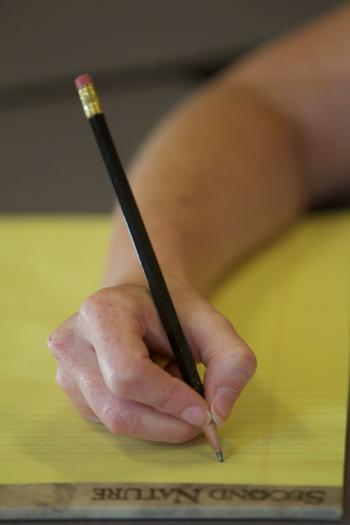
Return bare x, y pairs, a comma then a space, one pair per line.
240, 159
221, 175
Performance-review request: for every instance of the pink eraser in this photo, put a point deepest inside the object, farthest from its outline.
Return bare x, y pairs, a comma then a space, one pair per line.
82, 80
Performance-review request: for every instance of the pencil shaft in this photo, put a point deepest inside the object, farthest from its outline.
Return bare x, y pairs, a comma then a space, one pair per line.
146, 254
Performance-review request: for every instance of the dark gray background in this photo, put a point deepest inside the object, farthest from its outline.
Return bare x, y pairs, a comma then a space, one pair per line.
145, 56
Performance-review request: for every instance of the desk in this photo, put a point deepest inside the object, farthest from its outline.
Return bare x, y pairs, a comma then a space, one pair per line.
42, 237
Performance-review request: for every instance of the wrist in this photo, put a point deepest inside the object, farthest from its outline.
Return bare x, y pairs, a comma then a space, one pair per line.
130, 271
123, 265
139, 279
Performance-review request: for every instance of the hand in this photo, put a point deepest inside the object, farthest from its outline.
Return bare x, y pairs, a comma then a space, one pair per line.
107, 354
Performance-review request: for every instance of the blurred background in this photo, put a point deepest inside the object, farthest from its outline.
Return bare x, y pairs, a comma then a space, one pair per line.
145, 56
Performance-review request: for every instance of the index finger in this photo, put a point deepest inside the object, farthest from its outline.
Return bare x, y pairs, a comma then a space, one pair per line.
229, 361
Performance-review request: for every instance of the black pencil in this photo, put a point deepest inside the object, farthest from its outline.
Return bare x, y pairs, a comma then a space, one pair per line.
166, 310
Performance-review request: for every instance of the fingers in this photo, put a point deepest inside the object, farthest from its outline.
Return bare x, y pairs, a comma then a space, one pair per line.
172, 369
229, 361
114, 326
68, 385
167, 364
120, 416
124, 302
104, 352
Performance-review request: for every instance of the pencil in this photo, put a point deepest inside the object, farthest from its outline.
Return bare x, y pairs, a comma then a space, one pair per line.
158, 288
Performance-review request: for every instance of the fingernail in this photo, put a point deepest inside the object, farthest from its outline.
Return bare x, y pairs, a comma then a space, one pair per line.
197, 416
222, 404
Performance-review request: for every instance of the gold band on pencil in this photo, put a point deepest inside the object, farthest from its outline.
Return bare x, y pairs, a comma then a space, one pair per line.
90, 101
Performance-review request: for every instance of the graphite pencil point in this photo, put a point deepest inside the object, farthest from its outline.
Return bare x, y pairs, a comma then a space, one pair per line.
220, 456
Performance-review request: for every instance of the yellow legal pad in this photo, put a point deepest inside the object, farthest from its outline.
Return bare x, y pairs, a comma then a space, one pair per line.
289, 301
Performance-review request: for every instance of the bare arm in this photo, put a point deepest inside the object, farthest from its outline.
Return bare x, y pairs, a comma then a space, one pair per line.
245, 155
235, 164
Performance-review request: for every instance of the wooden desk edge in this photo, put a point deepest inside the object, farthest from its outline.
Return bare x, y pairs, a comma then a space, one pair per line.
154, 500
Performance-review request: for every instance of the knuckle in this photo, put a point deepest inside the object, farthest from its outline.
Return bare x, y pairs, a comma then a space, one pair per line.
61, 380
124, 384
95, 304
124, 380
243, 359
119, 421
58, 343
249, 360
113, 381
108, 307
129, 299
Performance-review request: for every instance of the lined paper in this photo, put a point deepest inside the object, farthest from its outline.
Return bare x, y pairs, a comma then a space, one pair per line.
289, 301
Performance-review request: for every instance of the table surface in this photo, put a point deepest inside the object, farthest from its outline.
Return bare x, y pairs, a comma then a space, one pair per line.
346, 517
345, 520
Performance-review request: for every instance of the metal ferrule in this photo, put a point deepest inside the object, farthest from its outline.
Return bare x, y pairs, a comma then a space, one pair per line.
90, 101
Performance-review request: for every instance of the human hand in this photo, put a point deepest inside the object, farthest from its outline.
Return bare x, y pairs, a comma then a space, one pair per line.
107, 354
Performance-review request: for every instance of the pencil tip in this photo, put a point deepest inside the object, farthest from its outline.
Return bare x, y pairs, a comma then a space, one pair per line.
220, 456
212, 435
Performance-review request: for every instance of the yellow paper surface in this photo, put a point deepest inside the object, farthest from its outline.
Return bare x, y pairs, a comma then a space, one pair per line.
289, 301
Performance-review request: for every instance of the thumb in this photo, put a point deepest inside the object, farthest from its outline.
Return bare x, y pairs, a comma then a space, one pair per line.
229, 361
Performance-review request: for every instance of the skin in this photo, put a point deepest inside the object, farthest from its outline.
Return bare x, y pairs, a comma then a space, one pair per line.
233, 166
